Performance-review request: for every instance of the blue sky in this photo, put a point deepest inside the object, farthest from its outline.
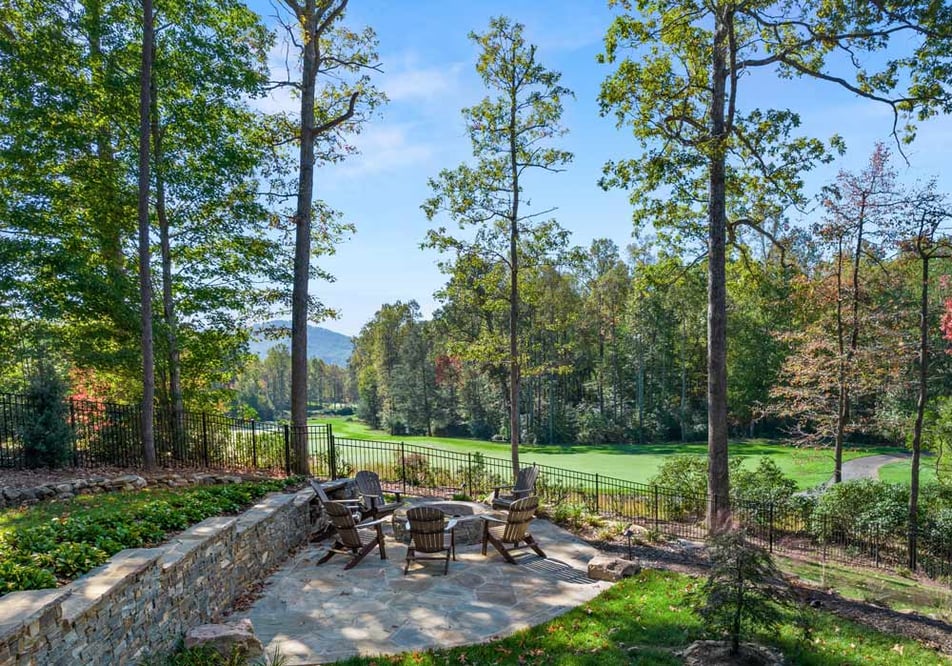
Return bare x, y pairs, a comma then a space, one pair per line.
429, 75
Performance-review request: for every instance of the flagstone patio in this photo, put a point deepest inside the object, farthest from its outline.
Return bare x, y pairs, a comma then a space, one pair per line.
319, 614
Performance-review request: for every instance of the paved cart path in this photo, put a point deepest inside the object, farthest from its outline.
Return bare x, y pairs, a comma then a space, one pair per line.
867, 467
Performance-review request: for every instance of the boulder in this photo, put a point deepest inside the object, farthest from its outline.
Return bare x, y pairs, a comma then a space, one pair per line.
12, 494
226, 639
612, 569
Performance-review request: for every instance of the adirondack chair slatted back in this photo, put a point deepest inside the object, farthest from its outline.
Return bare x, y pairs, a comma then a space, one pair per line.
427, 529
525, 481
368, 483
521, 513
343, 521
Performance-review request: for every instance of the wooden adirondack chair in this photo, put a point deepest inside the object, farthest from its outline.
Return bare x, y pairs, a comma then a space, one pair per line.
506, 535
429, 530
353, 538
355, 505
525, 486
368, 485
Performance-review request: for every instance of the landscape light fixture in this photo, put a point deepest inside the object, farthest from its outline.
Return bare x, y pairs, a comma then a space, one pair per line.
628, 534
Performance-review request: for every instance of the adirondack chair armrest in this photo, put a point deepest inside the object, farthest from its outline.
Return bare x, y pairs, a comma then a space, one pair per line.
371, 523
493, 519
381, 497
498, 488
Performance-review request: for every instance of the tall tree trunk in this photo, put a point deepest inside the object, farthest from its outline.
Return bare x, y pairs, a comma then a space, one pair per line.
847, 352
302, 248
683, 407
176, 407
718, 481
514, 378
920, 413
641, 389
842, 408
145, 278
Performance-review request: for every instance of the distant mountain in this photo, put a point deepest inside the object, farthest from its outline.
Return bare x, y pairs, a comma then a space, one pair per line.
331, 347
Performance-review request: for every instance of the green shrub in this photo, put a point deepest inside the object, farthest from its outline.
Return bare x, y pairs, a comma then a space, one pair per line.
865, 508
568, 513
16, 576
46, 434
764, 484
73, 559
682, 480
414, 469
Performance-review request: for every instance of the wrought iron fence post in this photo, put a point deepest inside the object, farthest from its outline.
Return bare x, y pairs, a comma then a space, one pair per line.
657, 522
331, 453
72, 428
596, 492
287, 449
469, 473
254, 446
205, 438
403, 466
770, 519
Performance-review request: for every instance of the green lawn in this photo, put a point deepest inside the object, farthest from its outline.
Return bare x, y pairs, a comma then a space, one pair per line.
899, 472
631, 462
644, 620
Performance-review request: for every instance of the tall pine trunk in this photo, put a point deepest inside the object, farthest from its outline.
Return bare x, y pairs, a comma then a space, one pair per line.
175, 410
718, 482
145, 278
302, 251
514, 374
920, 413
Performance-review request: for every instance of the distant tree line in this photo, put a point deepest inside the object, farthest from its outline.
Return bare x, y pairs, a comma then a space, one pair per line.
613, 345
262, 389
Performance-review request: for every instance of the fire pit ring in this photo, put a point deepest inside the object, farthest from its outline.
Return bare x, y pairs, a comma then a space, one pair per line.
469, 527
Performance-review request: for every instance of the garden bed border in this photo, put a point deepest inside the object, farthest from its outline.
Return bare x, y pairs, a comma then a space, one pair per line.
143, 600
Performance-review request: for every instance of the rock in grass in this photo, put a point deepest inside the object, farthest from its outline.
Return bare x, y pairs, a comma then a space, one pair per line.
612, 569
227, 639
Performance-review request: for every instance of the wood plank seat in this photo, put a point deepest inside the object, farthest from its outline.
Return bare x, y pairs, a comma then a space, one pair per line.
506, 535
354, 538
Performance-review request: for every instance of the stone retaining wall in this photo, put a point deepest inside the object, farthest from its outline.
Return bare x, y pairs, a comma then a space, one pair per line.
143, 600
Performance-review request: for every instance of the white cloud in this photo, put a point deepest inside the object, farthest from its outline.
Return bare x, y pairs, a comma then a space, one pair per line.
385, 148
426, 84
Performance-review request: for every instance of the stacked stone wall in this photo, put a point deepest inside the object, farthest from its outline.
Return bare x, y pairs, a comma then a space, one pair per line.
143, 600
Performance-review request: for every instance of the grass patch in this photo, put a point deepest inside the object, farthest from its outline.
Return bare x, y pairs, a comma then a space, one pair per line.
899, 472
644, 620
631, 462
875, 586
51, 543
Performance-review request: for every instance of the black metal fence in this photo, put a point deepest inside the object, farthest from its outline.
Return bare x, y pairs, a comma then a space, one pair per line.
788, 527
108, 434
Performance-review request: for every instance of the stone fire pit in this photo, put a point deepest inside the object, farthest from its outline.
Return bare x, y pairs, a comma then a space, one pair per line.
469, 528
